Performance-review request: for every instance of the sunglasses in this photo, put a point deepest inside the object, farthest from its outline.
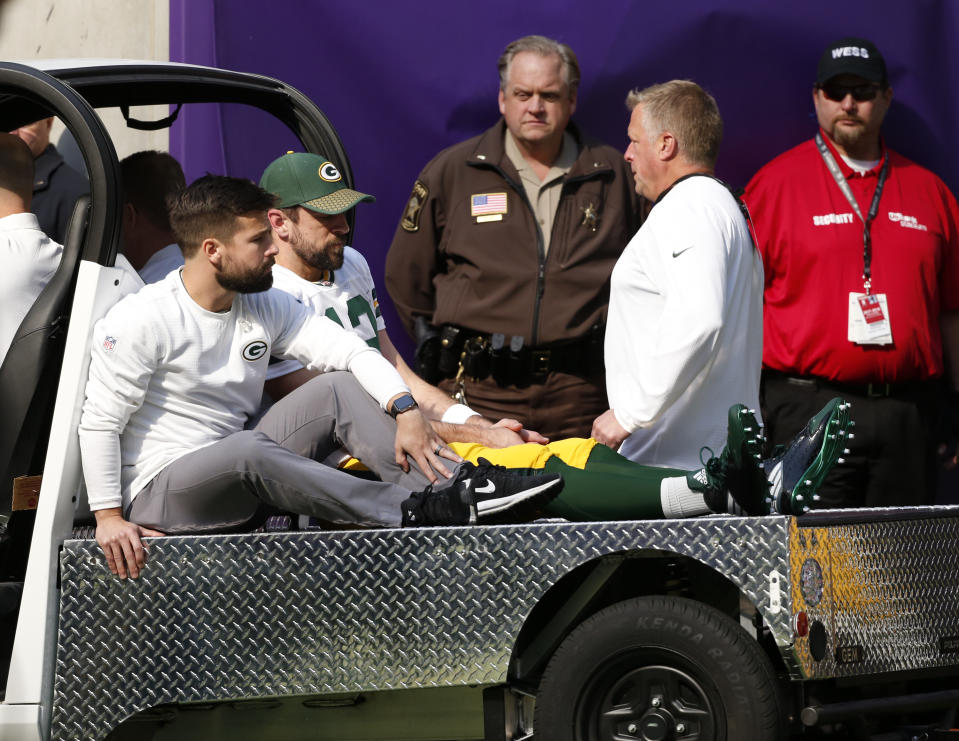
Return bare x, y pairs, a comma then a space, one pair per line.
860, 93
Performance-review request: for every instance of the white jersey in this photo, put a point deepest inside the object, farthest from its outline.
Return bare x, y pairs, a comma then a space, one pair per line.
162, 263
684, 335
347, 296
30, 258
168, 377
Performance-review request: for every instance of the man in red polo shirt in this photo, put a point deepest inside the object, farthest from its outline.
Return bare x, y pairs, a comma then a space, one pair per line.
861, 255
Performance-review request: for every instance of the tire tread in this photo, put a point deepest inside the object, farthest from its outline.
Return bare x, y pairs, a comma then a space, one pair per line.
588, 639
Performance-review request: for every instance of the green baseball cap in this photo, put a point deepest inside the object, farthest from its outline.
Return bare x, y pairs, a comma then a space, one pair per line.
311, 181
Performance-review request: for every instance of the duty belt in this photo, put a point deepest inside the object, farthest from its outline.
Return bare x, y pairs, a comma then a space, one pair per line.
462, 353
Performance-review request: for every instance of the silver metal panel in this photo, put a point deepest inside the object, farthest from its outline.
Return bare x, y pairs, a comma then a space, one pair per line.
891, 597
223, 617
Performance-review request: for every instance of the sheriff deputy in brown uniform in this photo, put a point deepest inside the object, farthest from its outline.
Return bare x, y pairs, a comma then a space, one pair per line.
500, 265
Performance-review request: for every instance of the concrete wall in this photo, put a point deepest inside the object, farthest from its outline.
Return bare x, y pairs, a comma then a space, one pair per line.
131, 29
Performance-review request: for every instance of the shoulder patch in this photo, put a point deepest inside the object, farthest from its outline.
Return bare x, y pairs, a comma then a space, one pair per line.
414, 207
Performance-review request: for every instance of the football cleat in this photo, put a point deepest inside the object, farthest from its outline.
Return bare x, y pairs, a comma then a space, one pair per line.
735, 482
797, 472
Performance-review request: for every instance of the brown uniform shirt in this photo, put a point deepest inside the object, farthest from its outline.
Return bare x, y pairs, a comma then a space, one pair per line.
543, 195
468, 252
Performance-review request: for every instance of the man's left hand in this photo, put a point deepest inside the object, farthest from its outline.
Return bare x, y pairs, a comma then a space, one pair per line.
415, 439
608, 431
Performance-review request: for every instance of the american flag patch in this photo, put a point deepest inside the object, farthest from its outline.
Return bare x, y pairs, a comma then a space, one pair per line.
109, 343
487, 203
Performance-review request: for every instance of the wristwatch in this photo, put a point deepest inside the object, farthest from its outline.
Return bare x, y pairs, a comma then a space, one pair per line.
403, 404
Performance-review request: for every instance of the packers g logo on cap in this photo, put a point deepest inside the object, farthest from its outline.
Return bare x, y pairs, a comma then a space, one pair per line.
329, 172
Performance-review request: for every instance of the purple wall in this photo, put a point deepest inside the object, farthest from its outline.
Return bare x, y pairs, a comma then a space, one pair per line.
402, 81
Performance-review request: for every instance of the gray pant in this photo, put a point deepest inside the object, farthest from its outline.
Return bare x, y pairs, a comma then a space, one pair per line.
223, 485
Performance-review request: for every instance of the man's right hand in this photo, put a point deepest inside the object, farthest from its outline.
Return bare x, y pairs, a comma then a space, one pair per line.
416, 439
120, 540
608, 431
524, 435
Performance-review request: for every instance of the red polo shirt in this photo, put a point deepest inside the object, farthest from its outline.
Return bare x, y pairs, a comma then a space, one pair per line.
811, 242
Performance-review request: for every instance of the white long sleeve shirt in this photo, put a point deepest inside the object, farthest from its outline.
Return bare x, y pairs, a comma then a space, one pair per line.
168, 377
684, 335
30, 258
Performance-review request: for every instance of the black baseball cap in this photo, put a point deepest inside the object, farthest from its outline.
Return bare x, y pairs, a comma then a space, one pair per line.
852, 56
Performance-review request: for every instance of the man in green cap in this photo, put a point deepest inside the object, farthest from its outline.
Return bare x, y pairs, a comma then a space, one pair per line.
315, 265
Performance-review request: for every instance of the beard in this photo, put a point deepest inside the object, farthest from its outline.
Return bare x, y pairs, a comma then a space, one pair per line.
251, 281
850, 138
328, 257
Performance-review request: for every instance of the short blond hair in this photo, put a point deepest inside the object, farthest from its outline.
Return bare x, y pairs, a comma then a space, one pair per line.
685, 110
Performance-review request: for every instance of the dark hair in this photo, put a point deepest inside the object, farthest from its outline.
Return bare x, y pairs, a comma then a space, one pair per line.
210, 206
149, 179
16, 166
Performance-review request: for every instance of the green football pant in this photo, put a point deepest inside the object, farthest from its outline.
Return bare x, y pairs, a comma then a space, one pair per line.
610, 487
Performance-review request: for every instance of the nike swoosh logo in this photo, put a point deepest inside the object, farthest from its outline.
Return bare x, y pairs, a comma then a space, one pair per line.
488, 489
677, 253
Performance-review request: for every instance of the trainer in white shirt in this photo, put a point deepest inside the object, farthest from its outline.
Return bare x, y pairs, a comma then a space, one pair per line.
684, 335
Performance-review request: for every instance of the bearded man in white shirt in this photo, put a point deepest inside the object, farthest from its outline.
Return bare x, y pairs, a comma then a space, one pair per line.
684, 335
177, 371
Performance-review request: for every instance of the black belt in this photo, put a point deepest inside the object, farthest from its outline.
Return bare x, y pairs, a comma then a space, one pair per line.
509, 361
575, 357
877, 390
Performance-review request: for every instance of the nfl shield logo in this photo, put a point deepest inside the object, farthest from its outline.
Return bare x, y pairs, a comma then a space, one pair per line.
109, 343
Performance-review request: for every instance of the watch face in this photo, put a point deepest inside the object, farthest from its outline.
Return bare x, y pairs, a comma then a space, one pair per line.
403, 404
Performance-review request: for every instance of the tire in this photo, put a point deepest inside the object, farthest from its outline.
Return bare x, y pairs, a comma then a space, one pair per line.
711, 680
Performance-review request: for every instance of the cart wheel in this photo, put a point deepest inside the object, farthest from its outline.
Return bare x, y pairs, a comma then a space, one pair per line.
657, 668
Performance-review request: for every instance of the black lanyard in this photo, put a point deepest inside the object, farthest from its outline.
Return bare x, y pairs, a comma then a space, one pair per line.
734, 193
840, 179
